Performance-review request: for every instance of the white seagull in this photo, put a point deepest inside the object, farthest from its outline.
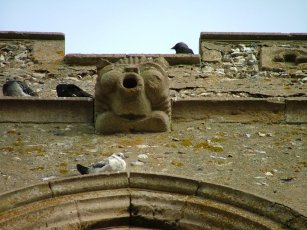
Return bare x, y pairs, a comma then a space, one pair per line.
115, 163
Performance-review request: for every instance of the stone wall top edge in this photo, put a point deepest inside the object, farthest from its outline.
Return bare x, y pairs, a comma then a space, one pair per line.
81, 55
225, 100
92, 59
251, 36
36, 99
32, 35
300, 99
73, 99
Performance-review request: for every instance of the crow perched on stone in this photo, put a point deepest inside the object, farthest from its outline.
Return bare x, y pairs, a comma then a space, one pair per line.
70, 90
115, 163
182, 48
17, 89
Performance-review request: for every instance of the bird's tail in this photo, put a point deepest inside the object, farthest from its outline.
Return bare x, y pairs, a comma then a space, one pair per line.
82, 169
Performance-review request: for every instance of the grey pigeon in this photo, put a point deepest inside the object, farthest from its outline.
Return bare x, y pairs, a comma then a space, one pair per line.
115, 163
182, 48
71, 90
17, 89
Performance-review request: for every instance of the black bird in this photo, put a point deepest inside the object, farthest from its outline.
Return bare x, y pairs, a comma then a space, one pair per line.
182, 48
17, 89
70, 90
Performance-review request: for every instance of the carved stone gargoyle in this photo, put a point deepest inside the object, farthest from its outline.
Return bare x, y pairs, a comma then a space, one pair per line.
132, 95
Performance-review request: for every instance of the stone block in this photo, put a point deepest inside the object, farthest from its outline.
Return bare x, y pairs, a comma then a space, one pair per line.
91, 59
16, 35
296, 110
160, 182
246, 201
104, 209
31, 109
50, 215
182, 59
24, 196
48, 51
211, 52
156, 210
241, 36
201, 213
73, 211
87, 183
282, 58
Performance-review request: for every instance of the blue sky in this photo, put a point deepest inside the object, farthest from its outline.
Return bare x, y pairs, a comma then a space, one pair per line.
148, 26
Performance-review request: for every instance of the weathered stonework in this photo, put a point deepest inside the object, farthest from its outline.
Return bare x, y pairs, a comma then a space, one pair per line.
247, 93
142, 203
245, 55
48, 51
132, 95
283, 58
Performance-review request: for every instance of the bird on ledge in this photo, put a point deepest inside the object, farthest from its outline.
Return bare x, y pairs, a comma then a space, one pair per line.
113, 163
70, 90
16, 88
182, 48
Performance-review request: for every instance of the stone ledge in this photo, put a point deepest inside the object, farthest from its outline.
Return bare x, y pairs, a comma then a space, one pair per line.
32, 35
296, 110
230, 110
81, 110
40, 110
93, 59
252, 36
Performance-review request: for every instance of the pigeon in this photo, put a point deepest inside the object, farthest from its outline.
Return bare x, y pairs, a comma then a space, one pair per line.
115, 163
70, 90
17, 89
182, 48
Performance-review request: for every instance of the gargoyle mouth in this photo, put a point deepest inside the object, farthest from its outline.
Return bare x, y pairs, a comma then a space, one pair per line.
132, 117
130, 81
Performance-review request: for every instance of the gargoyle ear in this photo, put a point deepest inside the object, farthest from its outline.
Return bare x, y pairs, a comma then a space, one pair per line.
161, 61
102, 63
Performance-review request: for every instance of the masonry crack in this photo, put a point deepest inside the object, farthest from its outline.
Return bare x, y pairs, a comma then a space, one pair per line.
212, 49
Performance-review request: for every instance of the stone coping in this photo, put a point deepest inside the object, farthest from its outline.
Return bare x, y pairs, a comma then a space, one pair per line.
268, 110
251, 36
225, 105
141, 199
93, 59
46, 110
32, 35
81, 110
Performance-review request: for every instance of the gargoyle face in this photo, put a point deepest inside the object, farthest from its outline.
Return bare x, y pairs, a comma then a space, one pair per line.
132, 89
133, 78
